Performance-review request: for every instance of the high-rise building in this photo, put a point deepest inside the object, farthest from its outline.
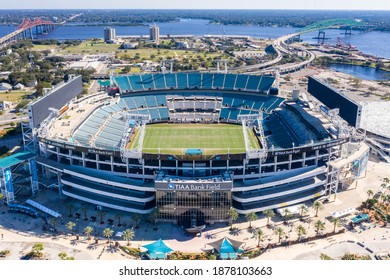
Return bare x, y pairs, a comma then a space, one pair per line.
109, 34
154, 33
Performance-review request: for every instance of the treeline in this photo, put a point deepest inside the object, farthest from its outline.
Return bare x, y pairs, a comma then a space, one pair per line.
295, 18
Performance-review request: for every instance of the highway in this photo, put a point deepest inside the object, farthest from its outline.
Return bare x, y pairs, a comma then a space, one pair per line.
281, 48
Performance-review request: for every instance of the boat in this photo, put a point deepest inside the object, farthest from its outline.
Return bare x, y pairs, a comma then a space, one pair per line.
195, 229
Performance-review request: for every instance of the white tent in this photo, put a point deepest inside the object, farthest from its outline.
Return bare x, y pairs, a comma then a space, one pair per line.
345, 212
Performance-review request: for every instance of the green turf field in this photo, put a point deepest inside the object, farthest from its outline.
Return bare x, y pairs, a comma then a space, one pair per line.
211, 138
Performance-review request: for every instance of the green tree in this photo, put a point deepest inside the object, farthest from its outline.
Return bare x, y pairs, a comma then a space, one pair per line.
336, 223
269, 214
107, 233
251, 217
301, 230
62, 255
302, 209
88, 231
233, 215
279, 232
37, 250
136, 219
152, 217
287, 215
319, 226
101, 214
70, 226
84, 209
370, 193
317, 206
128, 235
119, 216
70, 207
258, 235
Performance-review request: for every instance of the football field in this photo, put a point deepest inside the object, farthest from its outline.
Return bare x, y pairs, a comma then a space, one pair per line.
211, 138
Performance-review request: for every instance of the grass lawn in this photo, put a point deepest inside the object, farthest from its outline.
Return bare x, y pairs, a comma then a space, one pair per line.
176, 138
91, 48
13, 96
40, 48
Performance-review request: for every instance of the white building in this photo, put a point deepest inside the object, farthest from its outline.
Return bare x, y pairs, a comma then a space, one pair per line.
182, 45
154, 33
248, 54
109, 34
5, 87
128, 45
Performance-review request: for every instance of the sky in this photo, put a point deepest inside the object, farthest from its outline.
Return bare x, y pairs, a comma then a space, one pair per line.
199, 4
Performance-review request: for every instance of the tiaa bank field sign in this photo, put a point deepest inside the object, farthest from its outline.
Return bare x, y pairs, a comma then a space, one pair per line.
193, 186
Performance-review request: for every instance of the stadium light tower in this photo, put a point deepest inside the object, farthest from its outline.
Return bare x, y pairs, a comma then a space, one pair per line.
223, 62
164, 63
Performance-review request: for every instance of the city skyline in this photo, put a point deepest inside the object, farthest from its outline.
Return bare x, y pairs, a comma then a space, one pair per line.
204, 4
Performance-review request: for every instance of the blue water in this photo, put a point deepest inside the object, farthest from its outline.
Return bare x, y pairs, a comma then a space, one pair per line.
362, 72
374, 43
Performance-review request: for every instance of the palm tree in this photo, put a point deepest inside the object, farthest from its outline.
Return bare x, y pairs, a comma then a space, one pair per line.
53, 222
258, 235
101, 214
136, 219
317, 206
302, 209
287, 215
70, 226
335, 222
386, 180
269, 214
153, 216
319, 225
87, 231
370, 193
119, 216
233, 215
128, 235
301, 230
250, 217
70, 207
84, 209
37, 249
280, 232
383, 198
107, 233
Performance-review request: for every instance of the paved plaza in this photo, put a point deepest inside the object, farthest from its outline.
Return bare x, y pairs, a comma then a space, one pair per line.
20, 232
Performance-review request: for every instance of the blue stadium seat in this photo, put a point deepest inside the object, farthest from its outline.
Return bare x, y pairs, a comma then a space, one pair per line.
266, 83
129, 102
122, 83
229, 81
218, 80
241, 82
136, 83
150, 101
207, 81
225, 113
234, 114
154, 114
170, 80
147, 81
194, 80
164, 113
140, 101
182, 80
159, 81
161, 100
253, 83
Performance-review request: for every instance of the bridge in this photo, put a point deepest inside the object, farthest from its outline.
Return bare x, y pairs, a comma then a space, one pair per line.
282, 48
26, 28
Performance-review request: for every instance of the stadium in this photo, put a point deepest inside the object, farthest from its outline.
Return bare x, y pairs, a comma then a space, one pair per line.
187, 145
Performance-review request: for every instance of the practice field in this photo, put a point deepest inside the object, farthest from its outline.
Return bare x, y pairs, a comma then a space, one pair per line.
211, 138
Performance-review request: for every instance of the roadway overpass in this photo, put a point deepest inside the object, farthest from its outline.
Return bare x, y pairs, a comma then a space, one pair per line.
281, 48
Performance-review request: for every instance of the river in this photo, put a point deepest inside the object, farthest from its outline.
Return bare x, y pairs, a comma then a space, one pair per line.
362, 72
368, 42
